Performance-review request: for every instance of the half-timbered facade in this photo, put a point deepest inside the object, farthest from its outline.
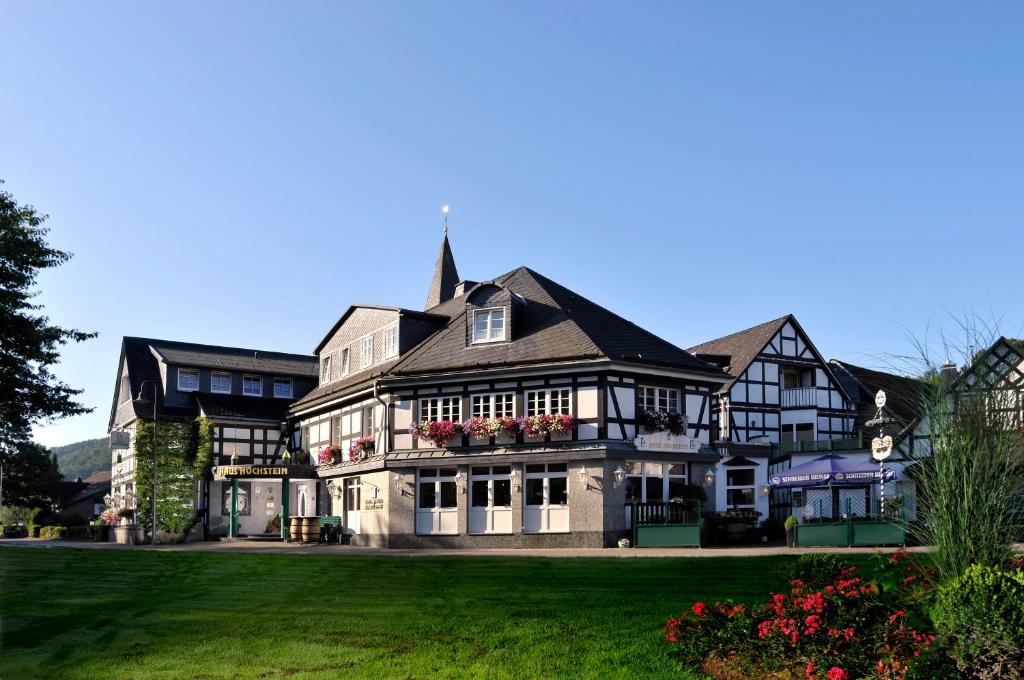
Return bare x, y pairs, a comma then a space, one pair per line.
244, 393
497, 356
780, 401
1000, 370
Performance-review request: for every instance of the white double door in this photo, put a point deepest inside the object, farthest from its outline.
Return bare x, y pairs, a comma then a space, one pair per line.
546, 506
490, 500
437, 510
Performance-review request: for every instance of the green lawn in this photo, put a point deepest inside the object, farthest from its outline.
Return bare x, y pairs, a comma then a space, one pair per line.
138, 614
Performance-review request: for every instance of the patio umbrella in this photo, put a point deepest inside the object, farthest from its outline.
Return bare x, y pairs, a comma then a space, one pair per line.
831, 469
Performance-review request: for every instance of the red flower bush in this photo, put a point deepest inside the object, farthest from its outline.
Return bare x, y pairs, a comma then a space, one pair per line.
359, 447
847, 628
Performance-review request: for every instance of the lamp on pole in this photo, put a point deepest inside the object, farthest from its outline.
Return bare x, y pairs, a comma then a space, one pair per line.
881, 447
141, 400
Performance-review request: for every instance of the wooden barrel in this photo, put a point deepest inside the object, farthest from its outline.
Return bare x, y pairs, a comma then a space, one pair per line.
310, 529
295, 529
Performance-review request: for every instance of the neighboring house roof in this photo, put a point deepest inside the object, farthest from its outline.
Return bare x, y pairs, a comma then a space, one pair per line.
142, 357
446, 276
234, 406
1008, 360
741, 347
903, 394
555, 324
97, 490
98, 477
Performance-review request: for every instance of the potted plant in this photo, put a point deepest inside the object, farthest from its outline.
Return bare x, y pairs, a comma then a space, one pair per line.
439, 432
328, 454
790, 527
360, 448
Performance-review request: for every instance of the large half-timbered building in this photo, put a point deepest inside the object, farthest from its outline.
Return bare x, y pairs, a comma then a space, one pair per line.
507, 350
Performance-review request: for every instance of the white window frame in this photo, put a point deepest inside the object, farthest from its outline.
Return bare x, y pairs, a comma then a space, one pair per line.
346, 359
666, 476
213, 382
325, 369
366, 352
391, 341
259, 381
190, 372
659, 398
752, 486
291, 388
553, 401
489, 405
441, 408
489, 330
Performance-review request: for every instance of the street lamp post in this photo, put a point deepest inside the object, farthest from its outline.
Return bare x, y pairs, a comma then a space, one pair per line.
142, 401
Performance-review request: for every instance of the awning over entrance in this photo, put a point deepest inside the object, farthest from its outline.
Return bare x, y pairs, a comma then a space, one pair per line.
830, 470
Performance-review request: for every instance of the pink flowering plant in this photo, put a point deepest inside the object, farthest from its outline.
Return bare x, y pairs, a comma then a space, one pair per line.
438, 432
543, 425
833, 626
328, 454
360, 448
110, 516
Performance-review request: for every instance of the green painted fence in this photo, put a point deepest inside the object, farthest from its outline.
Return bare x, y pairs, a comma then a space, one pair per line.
665, 525
870, 531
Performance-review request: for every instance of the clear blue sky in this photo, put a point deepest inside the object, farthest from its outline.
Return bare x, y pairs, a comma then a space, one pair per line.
238, 173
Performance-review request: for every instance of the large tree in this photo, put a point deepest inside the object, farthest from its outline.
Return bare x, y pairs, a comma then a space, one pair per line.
29, 343
31, 476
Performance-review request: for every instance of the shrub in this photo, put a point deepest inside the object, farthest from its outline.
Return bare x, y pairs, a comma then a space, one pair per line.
846, 628
12, 514
817, 570
790, 524
33, 530
52, 532
982, 615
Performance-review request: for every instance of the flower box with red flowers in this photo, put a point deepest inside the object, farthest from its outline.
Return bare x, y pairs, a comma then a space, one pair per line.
538, 426
360, 448
328, 455
438, 432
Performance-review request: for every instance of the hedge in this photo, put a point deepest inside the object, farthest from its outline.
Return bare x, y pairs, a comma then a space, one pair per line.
50, 533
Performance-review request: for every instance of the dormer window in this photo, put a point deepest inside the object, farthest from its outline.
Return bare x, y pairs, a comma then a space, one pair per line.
252, 385
488, 325
220, 383
391, 342
325, 369
188, 379
345, 353
366, 352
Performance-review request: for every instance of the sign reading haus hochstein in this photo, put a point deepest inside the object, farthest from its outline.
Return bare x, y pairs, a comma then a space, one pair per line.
252, 470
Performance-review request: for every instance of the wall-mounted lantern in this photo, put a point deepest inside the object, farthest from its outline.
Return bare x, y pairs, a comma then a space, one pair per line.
619, 476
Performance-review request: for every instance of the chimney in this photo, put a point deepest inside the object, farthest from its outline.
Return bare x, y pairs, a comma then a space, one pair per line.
947, 374
462, 287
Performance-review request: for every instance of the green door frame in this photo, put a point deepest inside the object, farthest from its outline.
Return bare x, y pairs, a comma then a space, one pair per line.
284, 507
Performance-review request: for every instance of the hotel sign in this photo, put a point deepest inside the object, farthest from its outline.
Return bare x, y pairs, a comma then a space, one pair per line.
665, 441
373, 504
252, 470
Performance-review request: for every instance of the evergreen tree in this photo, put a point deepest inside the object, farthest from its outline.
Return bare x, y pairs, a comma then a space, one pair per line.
29, 346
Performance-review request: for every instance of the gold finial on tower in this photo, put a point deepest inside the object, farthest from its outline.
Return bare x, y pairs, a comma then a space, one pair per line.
444, 209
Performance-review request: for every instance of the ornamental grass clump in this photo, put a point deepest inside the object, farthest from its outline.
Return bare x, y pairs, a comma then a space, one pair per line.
845, 626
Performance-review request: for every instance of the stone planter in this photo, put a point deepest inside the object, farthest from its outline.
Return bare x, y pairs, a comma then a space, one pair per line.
126, 534
789, 539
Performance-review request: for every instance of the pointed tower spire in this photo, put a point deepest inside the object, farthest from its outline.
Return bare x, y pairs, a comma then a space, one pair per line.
442, 287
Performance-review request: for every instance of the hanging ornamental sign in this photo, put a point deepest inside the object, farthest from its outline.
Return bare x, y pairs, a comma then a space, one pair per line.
880, 399
881, 447
666, 441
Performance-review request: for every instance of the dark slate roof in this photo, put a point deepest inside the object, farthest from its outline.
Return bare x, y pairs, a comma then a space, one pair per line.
741, 347
401, 312
143, 365
236, 358
903, 395
442, 285
96, 490
555, 324
236, 406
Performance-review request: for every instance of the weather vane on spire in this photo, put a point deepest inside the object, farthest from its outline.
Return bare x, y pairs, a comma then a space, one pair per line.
444, 209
